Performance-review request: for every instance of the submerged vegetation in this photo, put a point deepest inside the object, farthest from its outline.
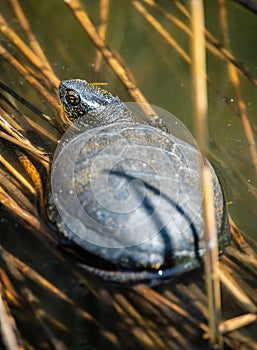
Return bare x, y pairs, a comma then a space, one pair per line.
48, 301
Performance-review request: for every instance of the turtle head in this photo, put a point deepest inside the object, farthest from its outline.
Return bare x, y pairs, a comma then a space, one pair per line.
80, 98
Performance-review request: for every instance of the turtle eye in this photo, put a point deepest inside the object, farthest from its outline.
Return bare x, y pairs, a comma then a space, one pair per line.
72, 98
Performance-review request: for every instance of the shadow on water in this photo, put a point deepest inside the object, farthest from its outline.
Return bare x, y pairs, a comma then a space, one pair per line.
150, 208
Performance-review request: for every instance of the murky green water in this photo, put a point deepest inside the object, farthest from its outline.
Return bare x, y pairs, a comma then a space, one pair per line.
163, 77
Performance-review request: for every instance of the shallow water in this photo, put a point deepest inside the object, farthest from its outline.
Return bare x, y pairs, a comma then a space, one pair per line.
163, 77
165, 80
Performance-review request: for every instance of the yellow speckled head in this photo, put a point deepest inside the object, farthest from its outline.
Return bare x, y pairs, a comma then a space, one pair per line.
80, 98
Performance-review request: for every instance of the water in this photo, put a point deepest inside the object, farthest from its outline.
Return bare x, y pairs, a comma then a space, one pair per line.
165, 80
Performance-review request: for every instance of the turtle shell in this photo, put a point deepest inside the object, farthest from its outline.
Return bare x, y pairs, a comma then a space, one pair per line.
130, 197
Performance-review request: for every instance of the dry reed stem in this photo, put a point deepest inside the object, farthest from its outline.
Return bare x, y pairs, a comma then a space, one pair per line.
31, 37
227, 54
30, 301
235, 289
237, 340
251, 187
233, 172
16, 190
132, 317
21, 122
241, 269
17, 175
238, 238
237, 322
163, 32
43, 131
201, 106
11, 128
248, 261
102, 28
243, 114
16, 134
34, 176
174, 44
113, 61
10, 293
11, 108
179, 24
38, 154
234, 78
166, 305
137, 333
250, 241
17, 138
195, 294
26, 51
10, 334
211, 258
43, 282
10, 116
11, 205
69, 265
23, 70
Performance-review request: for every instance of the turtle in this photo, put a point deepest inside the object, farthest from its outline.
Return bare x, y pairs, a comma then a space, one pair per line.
126, 197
